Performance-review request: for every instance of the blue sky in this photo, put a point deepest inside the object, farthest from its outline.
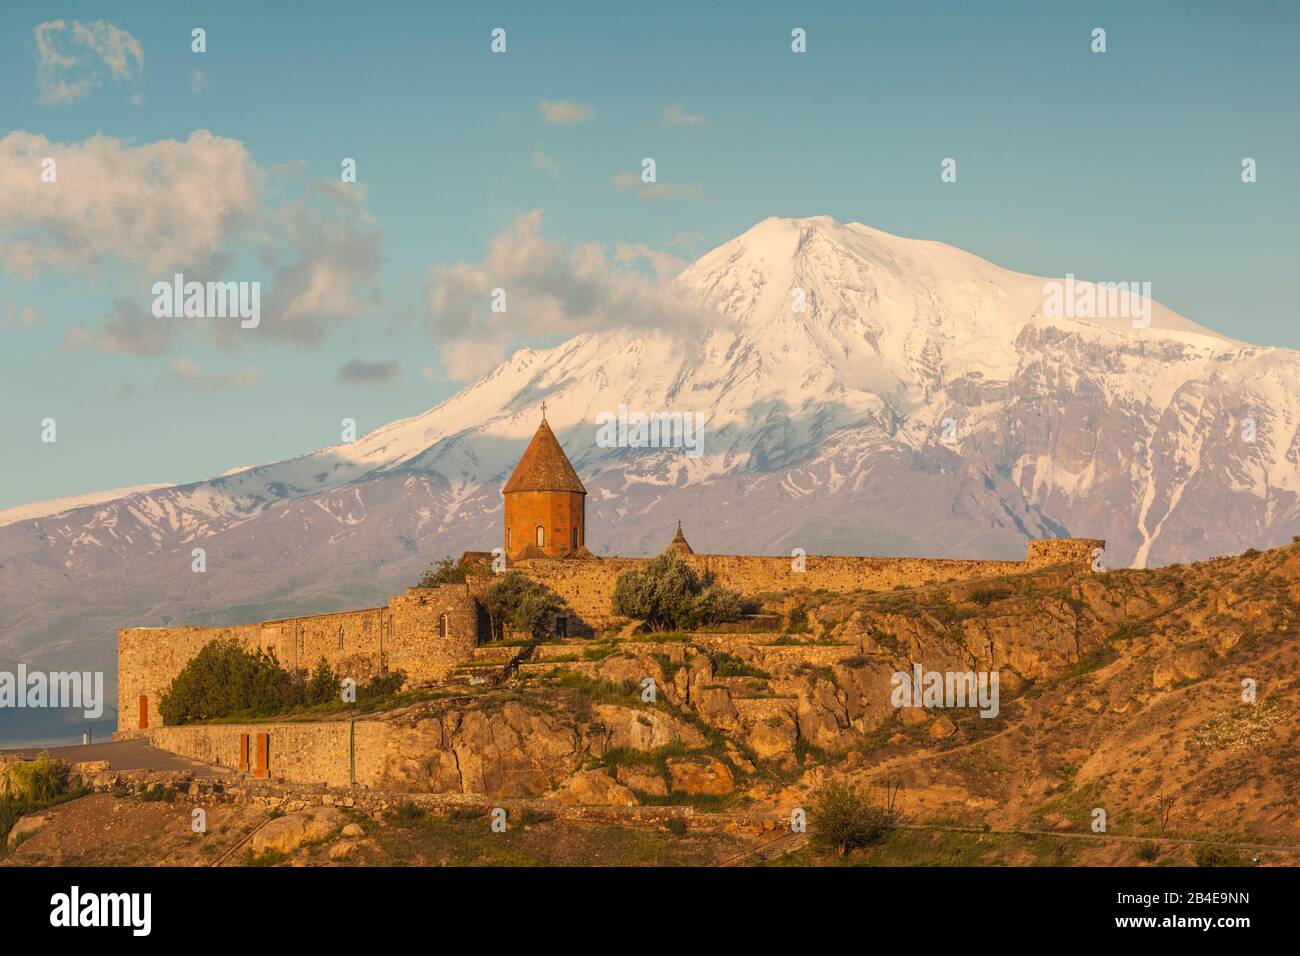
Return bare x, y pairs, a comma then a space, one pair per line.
1116, 166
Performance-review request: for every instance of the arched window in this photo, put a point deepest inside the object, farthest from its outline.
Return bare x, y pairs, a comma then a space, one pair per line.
442, 626
340, 637
575, 537
541, 537
507, 537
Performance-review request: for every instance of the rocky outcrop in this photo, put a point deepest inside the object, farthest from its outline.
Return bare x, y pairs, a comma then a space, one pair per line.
25, 827
639, 729
1184, 664
285, 834
510, 750
700, 775
595, 788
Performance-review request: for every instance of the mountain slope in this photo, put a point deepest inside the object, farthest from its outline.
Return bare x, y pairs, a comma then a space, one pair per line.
920, 403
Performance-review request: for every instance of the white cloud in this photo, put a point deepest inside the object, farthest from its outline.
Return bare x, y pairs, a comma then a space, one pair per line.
26, 315
675, 116
546, 163
333, 271
565, 112
73, 58
185, 371
550, 290
199, 81
129, 330
160, 205
631, 181
193, 207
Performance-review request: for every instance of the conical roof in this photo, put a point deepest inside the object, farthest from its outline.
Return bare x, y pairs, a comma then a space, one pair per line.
679, 542
544, 466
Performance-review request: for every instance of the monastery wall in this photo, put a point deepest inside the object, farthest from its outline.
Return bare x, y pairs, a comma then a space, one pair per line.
587, 586
407, 635
336, 753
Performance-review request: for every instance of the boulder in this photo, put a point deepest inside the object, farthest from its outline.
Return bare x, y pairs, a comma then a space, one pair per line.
292, 830
700, 775
343, 850
715, 708
773, 737
942, 727
353, 830
25, 827
618, 668
595, 788
644, 779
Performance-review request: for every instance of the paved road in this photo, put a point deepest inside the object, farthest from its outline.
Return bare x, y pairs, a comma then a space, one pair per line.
125, 755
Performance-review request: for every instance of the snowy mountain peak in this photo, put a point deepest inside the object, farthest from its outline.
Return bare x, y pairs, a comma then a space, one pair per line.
861, 392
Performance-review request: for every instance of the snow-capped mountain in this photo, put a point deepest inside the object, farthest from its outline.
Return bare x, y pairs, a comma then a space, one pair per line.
919, 402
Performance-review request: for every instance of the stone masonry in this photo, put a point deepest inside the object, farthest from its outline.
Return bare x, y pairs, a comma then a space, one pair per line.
425, 632
586, 587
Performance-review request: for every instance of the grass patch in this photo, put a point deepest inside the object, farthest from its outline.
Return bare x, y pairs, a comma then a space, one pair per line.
726, 664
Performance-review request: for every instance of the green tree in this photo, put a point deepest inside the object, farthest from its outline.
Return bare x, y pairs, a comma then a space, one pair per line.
840, 819
451, 571
324, 685
517, 602
667, 594
225, 678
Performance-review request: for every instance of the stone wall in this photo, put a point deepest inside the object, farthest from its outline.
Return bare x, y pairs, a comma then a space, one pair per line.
337, 753
587, 586
192, 790
1050, 551
407, 635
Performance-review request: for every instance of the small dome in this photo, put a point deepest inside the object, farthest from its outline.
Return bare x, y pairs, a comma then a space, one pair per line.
679, 542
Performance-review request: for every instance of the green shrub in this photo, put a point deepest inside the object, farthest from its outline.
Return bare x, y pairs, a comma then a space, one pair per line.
530, 817
225, 678
1208, 854
34, 785
726, 664
986, 596
267, 858
667, 595
676, 826
405, 812
39, 780
381, 685
840, 819
1148, 850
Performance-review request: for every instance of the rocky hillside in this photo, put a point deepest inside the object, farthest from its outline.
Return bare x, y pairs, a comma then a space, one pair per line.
1118, 689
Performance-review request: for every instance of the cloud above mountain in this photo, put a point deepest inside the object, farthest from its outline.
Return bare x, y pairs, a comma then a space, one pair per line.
73, 58
200, 207
157, 206
565, 112
544, 289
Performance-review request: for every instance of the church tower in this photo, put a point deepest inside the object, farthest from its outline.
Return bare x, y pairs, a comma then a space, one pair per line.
545, 502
